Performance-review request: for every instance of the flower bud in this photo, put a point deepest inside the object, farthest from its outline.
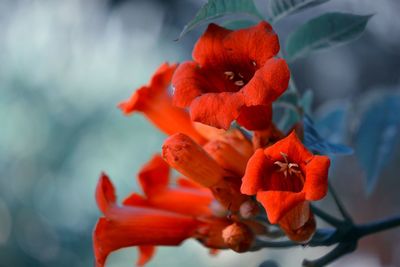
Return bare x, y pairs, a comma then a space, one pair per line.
248, 209
238, 237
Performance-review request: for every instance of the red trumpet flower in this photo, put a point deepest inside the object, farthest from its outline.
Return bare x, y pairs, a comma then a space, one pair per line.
285, 177
136, 226
234, 76
155, 103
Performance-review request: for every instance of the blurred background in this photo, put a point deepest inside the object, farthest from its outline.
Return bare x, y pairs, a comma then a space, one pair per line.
65, 65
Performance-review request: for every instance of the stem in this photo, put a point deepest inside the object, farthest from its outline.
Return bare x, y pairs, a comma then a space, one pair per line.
339, 204
259, 244
325, 216
378, 226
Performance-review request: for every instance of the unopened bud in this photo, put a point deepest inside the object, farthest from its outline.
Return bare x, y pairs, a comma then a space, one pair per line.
238, 237
249, 209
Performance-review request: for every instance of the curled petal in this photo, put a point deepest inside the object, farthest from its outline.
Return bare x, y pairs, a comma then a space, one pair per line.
190, 159
105, 193
155, 103
278, 203
187, 83
154, 176
145, 254
268, 83
155, 91
316, 184
216, 109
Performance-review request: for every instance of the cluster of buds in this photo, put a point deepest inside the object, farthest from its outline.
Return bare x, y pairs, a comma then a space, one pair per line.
233, 186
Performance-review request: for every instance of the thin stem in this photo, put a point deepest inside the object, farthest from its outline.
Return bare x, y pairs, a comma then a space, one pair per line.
259, 244
375, 227
339, 204
326, 217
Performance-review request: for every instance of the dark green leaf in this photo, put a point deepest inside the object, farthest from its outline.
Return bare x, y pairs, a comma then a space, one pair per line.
238, 24
306, 101
214, 9
325, 31
282, 8
331, 121
314, 142
378, 134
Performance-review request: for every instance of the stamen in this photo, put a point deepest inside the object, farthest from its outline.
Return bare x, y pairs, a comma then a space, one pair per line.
254, 63
239, 83
230, 74
240, 75
287, 167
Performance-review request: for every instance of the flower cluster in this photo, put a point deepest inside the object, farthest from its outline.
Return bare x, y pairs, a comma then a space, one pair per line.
234, 76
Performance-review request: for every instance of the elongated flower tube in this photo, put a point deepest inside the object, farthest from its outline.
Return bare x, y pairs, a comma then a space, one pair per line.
285, 177
190, 159
136, 226
154, 101
233, 76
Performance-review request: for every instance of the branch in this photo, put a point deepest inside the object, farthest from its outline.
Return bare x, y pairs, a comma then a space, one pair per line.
375, 227
339, 204
325, 216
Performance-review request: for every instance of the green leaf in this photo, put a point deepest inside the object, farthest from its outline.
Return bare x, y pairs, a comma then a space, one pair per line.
214, 9
282, 8
325, 31
314, 142
238, 24
306, 101
378, 134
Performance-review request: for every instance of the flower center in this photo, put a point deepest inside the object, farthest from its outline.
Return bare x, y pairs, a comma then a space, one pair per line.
287, 167
230, 75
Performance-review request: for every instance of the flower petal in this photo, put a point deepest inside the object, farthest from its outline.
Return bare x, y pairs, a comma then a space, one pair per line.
316, 184
292, 146
209, 49
253, 179
136, 200
134, 226
255, 117
105, 193
278, 203
156, 89
154, 176
302, 234
216, 109
258, 43
268, 83
145, 254
156, 104
187, 83
226, 156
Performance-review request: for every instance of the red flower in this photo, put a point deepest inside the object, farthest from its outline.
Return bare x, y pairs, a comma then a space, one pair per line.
233, 77
190, 159
285, 176
185, 198
136, 226
155, 103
